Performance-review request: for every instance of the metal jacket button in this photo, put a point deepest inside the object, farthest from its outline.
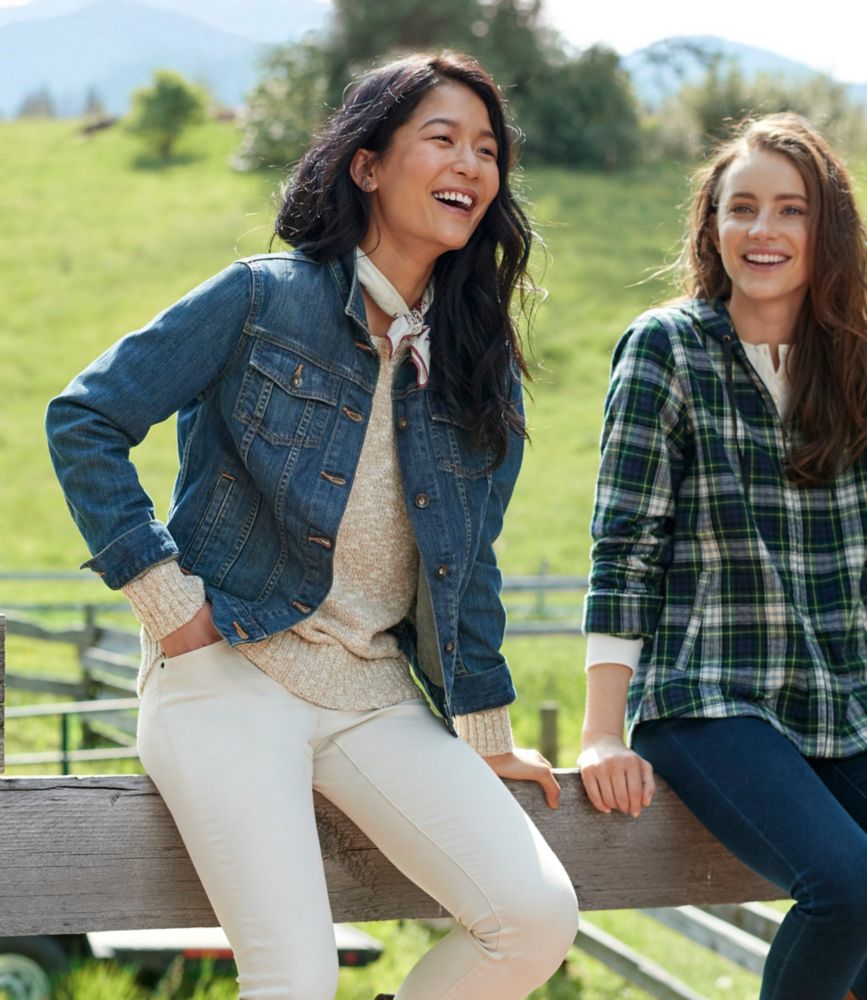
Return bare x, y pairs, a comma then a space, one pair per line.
422, 500
403, 423
442, 572
449, 646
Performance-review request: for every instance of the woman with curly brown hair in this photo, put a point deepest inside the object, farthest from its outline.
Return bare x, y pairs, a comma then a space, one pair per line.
727, 610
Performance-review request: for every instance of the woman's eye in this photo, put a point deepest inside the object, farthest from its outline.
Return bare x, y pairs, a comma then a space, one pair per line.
793, 210
441, 138
487, 151
740, 209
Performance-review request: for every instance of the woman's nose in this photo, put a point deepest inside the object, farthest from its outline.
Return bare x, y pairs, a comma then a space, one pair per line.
465, 161
763, 225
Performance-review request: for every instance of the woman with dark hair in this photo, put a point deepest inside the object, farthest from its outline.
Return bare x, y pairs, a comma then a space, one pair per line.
727, 610
321, 610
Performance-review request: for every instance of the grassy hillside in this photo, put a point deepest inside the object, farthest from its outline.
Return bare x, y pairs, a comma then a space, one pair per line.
94, 242
94, 245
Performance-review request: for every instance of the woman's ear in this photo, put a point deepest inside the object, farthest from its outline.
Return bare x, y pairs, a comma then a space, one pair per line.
361, 169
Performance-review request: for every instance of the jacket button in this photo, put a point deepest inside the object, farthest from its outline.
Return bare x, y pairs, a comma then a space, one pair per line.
332, 478
241, 633
449, 646
442, 572
403, 423
422, 500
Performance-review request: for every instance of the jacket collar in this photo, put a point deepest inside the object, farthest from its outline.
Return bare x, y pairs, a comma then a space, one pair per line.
344, 271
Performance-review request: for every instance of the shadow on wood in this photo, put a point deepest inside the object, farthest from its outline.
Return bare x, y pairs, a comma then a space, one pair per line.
96, 853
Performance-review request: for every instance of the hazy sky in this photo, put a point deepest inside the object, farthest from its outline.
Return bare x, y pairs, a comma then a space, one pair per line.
826, 35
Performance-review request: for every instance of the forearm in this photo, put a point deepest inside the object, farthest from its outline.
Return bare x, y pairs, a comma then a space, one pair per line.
605, 707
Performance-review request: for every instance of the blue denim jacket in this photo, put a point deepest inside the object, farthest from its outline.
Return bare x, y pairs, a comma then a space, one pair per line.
271, 370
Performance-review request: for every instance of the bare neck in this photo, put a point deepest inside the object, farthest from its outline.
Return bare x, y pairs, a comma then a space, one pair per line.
771, 323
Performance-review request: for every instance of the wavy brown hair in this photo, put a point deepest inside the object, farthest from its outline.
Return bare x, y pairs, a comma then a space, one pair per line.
828, 370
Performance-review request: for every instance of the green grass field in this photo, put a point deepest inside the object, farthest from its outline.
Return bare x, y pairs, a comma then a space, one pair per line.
95, 241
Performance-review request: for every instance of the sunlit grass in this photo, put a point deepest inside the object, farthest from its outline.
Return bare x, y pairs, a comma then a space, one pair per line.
93, 246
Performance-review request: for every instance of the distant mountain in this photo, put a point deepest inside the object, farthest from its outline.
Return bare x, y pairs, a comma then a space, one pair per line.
268, 21
661, 69
113, 46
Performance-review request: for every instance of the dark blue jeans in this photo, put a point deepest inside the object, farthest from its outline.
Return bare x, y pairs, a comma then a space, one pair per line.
800, 822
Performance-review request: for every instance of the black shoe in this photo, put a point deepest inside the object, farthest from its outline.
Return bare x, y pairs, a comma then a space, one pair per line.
384, 996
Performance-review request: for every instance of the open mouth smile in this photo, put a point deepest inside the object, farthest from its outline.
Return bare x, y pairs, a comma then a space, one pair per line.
456, 199
765, 259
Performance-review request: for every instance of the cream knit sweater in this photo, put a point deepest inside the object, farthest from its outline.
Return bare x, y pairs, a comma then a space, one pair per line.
342, 656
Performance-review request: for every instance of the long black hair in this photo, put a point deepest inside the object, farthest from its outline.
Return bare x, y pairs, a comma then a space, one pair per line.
475, 348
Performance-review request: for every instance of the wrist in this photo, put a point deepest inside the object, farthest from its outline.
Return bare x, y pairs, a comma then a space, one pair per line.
590, 737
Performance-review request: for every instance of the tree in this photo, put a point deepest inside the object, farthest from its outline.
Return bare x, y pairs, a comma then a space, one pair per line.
93, 106
701, 114
160, 113
581, 112
39, 104
573, 110
286, 107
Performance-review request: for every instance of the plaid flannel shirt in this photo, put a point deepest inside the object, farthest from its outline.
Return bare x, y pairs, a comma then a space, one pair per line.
750, 592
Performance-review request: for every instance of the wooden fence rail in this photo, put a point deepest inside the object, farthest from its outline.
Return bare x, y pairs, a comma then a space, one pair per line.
82, 854
93, 853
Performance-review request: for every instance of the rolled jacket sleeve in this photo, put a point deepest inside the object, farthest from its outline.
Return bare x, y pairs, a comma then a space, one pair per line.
109, 408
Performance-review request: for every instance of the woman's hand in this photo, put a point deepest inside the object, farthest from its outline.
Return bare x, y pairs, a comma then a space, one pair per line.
614, 776
199, 631
527, 765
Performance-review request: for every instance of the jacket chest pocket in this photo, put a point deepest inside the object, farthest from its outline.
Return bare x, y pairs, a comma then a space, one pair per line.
285, 398
451, 444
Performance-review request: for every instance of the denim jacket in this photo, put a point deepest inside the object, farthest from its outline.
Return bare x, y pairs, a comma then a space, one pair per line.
271, 370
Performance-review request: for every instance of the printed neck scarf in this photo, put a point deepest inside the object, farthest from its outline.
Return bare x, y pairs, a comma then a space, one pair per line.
408, 323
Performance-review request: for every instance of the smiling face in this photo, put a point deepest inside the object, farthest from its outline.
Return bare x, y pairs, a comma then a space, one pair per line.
433, 184
763, 227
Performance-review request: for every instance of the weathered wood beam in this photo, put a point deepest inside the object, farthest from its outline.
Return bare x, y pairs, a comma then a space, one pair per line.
102, 853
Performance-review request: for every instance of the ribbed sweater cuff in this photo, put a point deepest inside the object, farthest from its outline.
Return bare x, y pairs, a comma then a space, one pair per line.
488, 732
164, 598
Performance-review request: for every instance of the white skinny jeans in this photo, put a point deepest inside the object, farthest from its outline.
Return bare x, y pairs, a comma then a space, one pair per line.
235, 756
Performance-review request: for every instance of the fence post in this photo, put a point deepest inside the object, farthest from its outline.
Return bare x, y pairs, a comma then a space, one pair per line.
64, 744
549, 740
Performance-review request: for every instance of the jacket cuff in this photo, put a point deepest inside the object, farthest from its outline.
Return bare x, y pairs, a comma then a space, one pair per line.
488, 732
164, 598
133, 553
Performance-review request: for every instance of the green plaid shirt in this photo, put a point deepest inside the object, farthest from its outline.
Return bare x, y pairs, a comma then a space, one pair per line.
750, 592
